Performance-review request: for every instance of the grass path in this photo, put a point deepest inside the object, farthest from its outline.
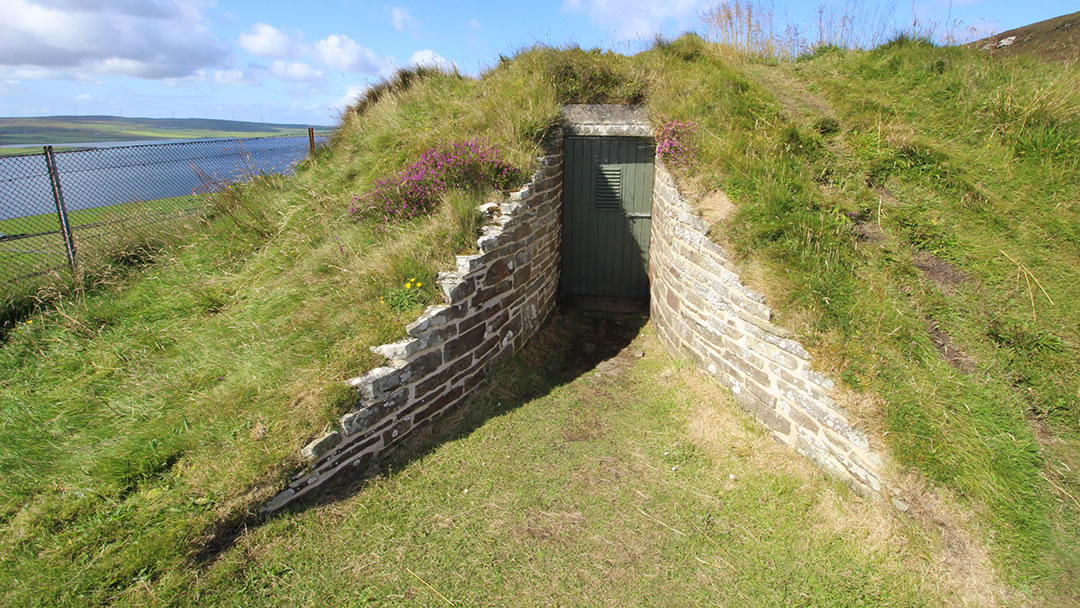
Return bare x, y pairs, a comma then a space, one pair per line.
634, 483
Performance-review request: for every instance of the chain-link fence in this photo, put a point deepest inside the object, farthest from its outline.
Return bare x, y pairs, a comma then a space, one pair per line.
58, 208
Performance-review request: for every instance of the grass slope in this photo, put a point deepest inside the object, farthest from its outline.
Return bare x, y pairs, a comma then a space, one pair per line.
886, 200
174, 398
874, 193
1056, 39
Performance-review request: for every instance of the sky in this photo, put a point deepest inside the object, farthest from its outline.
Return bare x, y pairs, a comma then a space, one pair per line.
293, 61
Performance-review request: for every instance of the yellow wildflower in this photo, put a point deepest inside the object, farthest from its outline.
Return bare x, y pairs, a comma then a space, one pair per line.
418, 284
408, 285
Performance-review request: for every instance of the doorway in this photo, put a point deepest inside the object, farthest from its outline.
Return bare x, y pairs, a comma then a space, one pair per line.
607, 211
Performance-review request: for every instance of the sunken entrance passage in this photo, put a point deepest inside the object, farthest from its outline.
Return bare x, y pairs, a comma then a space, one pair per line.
607, 210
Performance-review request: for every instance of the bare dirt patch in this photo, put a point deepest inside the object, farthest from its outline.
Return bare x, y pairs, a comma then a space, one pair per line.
868, 232
944, 345
961, 558
798, 101
942, 273
716, 207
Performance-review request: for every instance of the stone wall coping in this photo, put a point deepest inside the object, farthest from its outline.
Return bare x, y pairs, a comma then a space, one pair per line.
606, 120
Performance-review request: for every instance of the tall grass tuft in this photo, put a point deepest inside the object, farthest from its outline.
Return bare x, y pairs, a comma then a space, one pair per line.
401, 81
752, 27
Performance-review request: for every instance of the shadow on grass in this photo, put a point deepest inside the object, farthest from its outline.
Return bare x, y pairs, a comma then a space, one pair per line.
568, 345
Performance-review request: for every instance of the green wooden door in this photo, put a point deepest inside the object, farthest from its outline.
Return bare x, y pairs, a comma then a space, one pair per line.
607, 204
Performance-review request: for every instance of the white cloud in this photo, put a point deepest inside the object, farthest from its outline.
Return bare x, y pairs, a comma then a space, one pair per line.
8, 86
266, 41
428, 58
473, 23
294, 70
32, 73
343, 53
232, 77
403, 21
352, 94
160, 39
630, 19
198, 75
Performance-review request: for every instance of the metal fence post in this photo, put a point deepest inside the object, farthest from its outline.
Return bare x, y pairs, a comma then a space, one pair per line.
61, 210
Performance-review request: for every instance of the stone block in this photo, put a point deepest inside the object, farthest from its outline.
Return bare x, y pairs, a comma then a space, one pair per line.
467, 264
377, 382
279, 501
522, 276
772, 329
426, 363
319, 447
464, 343
349, 452
762, 410
772, 353
457, 289
742, 365
480, 317
801, 419
673, 301
818, 379
825, 416
395, 432
486, 294
423, 400
496, 322
523, 193
497, 272
372, 411
761, 393
512, 208
429, 384
490, 352
437, 405
491, 238
433, 318
399, 350
786, 376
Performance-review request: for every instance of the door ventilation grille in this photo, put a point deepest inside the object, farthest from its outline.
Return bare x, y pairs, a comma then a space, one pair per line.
607, 191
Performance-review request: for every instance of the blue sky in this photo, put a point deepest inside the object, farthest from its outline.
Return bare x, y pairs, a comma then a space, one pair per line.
301, 61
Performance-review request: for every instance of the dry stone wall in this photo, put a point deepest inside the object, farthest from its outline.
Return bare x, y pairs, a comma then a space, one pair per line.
495, 300
701, 308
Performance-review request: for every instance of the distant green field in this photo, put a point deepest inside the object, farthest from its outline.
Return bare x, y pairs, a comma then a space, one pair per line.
31, 150
54, 130
43, 247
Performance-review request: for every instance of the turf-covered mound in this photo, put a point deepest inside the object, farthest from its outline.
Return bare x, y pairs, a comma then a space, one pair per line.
908, 210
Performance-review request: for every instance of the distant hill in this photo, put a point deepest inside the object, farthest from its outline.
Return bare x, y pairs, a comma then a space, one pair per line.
1056, 39
76, 129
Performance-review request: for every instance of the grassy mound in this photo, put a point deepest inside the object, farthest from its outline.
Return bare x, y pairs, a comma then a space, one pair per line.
909, 210
141, 418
